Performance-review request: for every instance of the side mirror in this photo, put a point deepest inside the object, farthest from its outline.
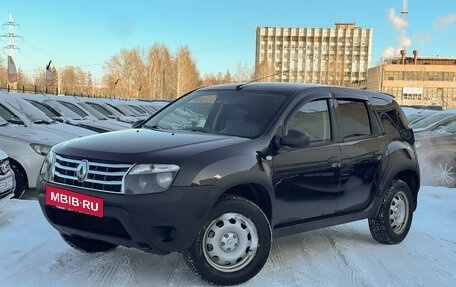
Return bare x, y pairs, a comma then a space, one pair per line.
137, 124
295, 138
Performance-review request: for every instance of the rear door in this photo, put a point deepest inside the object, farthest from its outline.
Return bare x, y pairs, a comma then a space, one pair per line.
362, 150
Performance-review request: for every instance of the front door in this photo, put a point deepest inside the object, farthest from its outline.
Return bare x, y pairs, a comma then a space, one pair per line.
307, 178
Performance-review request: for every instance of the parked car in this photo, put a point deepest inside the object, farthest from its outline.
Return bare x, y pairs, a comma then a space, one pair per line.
7, 182
26, 149
434, 121
87, 112
57, 111
20, 112
101, 106
414, 114
437, 155
259, 160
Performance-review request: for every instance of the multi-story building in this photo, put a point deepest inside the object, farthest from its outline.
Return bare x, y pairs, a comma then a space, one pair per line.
416, 80
336, 56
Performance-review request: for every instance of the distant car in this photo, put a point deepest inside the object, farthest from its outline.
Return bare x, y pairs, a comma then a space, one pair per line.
414, 114
434, 121
7, 182
86, 111
26, 149
437, 155
59, 112
20, 112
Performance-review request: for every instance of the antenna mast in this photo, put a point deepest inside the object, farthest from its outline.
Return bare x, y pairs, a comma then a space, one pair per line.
404, 13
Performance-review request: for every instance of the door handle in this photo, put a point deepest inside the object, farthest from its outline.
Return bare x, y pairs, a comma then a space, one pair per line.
334, 161
378, 154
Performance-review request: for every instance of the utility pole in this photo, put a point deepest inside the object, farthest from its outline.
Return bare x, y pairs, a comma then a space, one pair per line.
11, 36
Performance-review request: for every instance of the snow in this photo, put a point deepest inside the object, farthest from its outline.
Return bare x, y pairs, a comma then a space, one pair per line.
32, 253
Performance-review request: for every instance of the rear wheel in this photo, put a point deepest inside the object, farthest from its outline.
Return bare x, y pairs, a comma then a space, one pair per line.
393, 222
86, 244
444, 171
233, 245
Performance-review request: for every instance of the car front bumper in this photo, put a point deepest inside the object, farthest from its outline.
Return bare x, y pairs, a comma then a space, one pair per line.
7, 185
157, 223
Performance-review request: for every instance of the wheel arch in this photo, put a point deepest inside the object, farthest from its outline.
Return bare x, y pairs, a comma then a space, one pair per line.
21, 169
254, 186
412, 180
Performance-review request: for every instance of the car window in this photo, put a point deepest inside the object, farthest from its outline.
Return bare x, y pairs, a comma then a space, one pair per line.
240, 114
354, 118
313, 119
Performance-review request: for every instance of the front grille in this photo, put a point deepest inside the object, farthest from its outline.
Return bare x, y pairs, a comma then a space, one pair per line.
106, 225
101, 176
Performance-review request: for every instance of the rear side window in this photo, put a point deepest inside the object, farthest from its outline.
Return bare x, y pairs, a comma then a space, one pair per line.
354, 118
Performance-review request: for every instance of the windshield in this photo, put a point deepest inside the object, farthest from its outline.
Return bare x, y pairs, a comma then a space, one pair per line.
29, 111
93, 111
236, 113
427, 121
71, 113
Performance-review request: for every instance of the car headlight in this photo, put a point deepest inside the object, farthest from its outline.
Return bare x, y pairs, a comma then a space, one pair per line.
4, 166
149, 178
47, 170
41, 149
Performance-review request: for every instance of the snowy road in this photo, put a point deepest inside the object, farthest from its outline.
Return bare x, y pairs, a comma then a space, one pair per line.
32, 253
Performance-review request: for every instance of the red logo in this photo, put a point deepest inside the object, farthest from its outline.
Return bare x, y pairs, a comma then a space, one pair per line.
74, 201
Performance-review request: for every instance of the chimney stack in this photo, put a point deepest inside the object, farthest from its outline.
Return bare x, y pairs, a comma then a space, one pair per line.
403, 57
415, 56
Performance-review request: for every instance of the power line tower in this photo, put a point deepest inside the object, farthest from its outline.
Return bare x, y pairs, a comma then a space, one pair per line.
11, 36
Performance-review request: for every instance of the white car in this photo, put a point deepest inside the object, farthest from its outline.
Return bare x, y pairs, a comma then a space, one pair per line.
26, 149
7, 182
20, 112
56, 110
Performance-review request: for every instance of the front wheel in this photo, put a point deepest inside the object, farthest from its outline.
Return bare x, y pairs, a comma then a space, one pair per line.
21, 181
393, 222
86, 244
233, 245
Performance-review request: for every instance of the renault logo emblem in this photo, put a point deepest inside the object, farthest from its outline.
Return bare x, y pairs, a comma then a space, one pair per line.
82, 170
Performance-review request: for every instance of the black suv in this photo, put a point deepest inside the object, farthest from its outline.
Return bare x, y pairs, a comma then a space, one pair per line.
219, 172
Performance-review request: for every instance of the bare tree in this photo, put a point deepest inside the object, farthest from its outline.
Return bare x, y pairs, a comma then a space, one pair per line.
124, 73
244, 73
264, 71
186, 76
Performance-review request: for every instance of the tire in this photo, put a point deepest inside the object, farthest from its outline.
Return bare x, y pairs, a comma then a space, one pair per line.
393, 222
21, 181
233, 246
87, 245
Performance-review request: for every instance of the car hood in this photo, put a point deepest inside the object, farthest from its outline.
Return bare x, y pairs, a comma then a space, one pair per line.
29, 135
65, 130
144, 146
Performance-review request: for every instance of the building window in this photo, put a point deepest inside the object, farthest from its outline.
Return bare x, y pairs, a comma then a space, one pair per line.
413, 76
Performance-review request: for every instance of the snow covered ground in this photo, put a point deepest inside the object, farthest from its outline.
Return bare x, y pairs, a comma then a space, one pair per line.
32, 253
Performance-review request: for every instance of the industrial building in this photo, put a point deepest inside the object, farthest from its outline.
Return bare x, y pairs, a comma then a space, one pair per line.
335, 56
415, 80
